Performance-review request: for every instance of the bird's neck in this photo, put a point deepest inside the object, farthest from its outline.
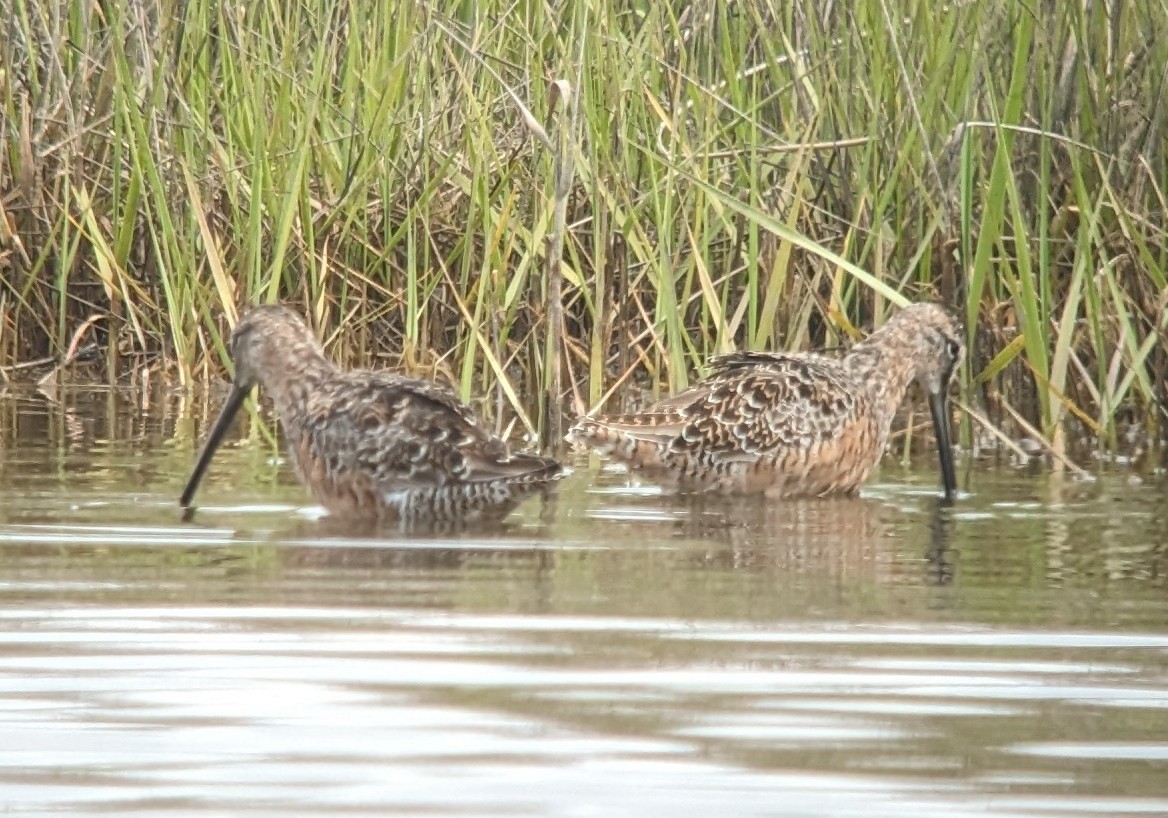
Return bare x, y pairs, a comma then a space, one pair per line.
292, 373
885, 363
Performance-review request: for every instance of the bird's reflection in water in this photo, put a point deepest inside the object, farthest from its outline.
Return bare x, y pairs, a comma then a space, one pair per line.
332, 541
939, 557
334, 527
843, 537
835, 535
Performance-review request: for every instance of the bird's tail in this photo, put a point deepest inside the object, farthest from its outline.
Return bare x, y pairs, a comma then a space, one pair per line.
640, 441
526, 468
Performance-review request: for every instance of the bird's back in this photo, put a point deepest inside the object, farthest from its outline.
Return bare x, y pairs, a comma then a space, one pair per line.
788, 424
379, 444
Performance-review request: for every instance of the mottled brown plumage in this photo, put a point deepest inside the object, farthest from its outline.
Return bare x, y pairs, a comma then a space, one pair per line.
790, 424
372, 445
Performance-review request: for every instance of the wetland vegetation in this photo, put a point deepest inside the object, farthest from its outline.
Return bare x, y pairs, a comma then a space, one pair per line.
713, 175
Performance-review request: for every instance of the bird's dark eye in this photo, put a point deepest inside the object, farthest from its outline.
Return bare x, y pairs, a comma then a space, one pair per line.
953, 348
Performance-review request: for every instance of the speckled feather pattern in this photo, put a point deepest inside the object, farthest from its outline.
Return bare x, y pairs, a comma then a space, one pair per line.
381, 445
788, 424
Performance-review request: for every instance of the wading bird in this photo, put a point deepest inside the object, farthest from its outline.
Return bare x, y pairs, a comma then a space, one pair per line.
791, 424
372, 446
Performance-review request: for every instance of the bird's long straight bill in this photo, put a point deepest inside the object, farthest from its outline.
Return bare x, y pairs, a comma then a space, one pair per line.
222, 424
939, 407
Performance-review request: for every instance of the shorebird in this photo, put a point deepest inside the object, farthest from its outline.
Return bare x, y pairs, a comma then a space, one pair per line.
791, 424
371, 446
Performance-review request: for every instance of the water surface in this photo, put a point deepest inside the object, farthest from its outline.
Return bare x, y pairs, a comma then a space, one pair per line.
611, 652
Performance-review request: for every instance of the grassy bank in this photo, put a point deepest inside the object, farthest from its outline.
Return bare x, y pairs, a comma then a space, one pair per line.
727, 175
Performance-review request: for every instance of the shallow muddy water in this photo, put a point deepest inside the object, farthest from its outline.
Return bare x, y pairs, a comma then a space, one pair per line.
610, 652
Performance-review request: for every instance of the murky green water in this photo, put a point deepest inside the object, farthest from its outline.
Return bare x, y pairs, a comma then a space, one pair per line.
612, 653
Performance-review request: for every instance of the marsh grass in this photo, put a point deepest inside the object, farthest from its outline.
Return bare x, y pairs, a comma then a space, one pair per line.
737, 174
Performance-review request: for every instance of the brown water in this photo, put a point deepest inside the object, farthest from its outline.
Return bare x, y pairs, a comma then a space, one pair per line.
612, 653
